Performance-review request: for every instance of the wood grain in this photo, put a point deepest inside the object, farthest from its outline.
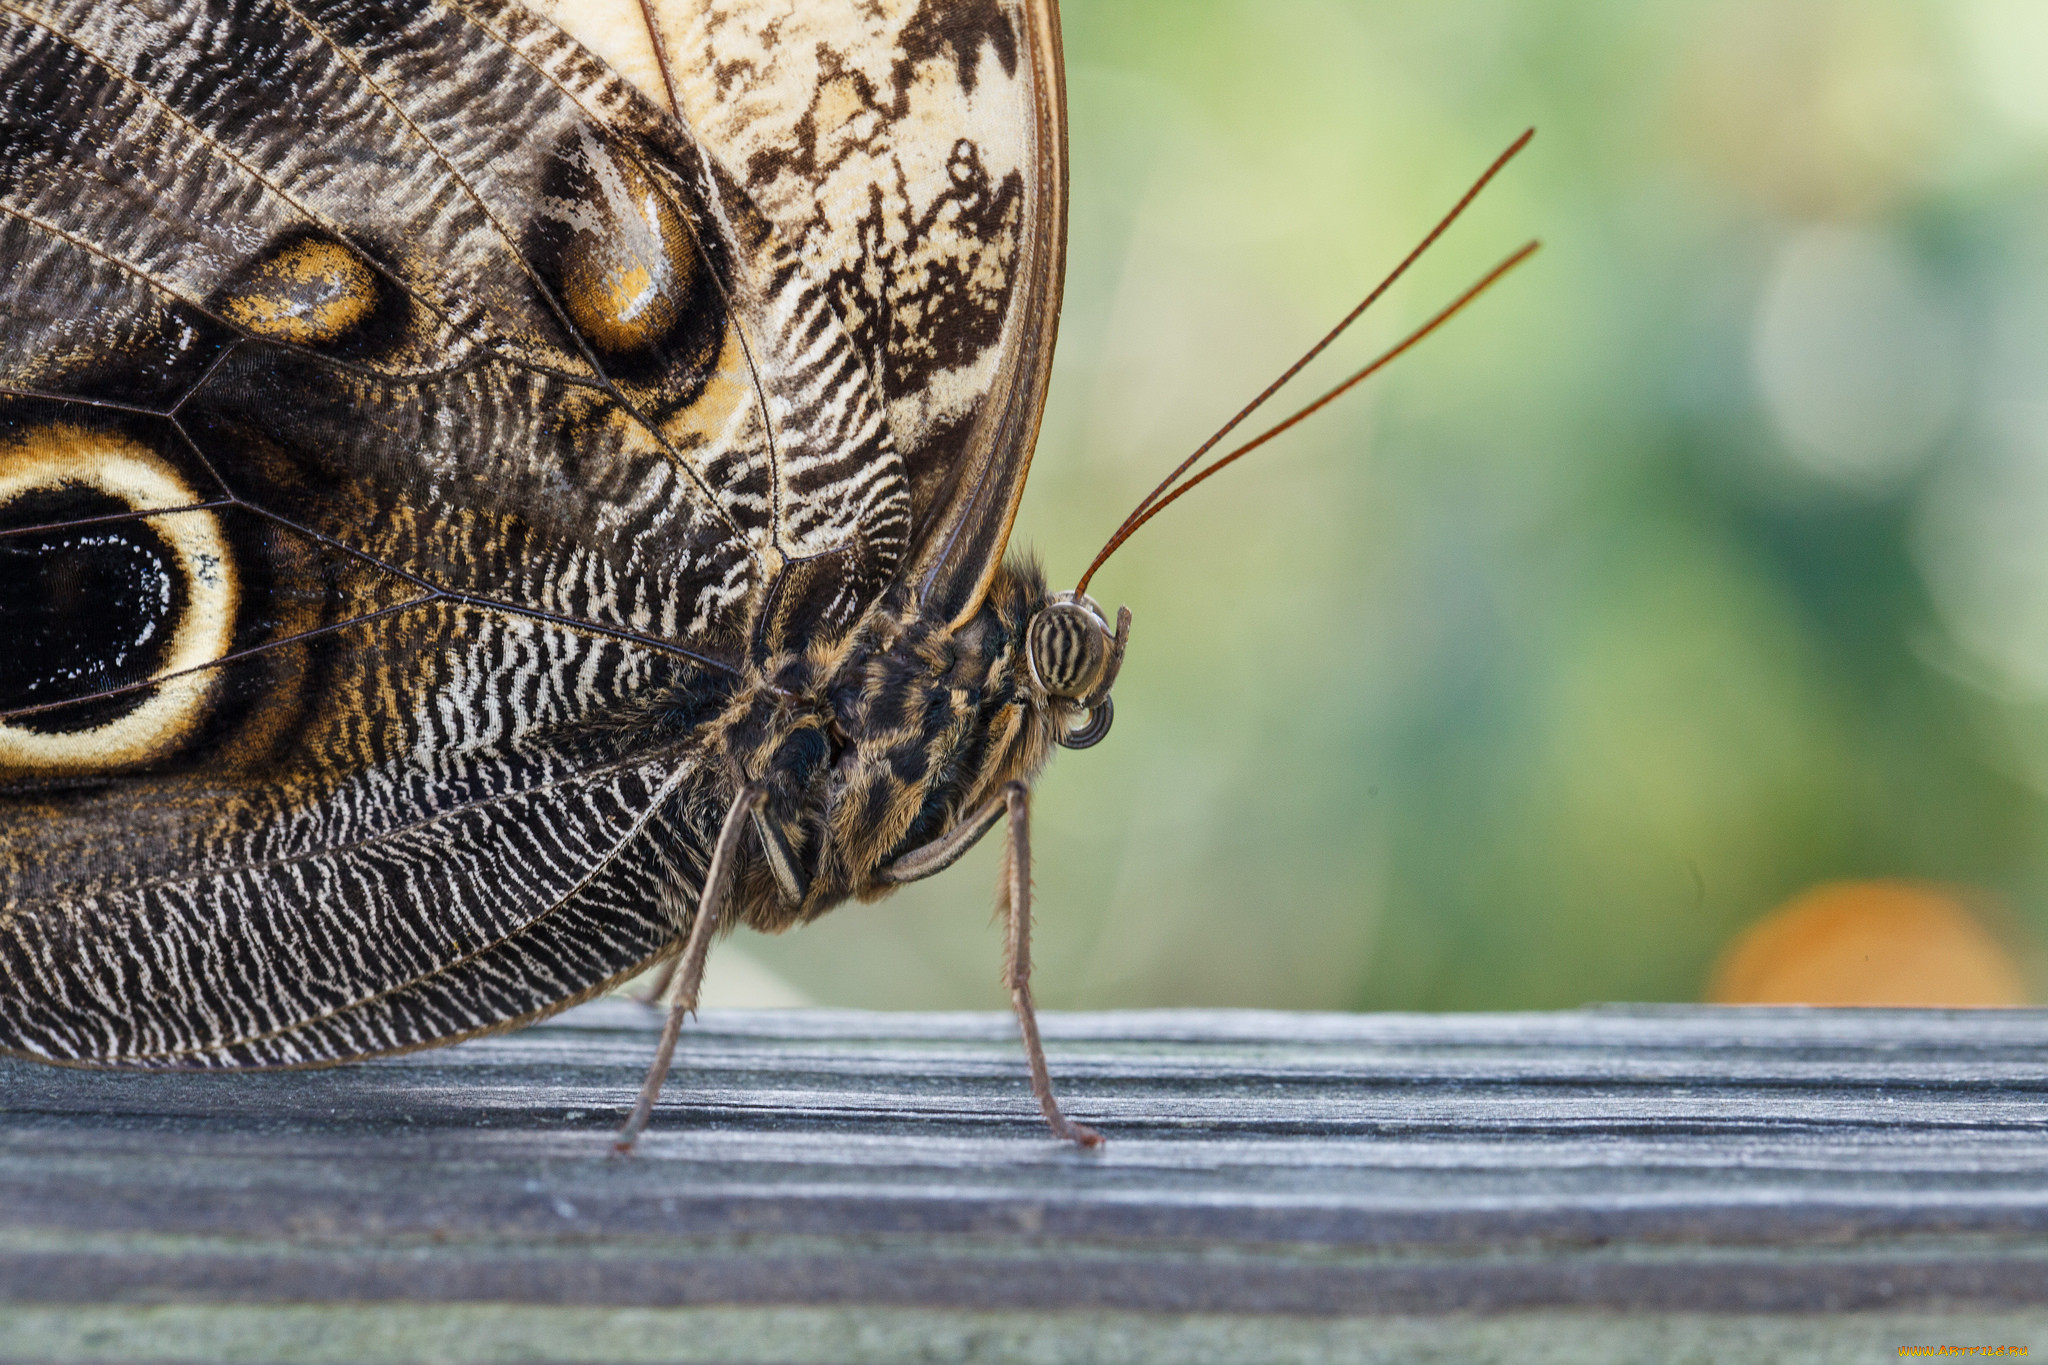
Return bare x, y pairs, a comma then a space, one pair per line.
1314, 1179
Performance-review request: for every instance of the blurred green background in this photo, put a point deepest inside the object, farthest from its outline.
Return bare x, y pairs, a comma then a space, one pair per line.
1702, 561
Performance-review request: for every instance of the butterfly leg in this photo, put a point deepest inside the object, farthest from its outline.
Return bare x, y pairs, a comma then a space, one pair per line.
686, 976
1013, 897
790, 879
1013, 902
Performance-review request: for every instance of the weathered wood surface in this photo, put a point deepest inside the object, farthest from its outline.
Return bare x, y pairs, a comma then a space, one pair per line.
817, 1181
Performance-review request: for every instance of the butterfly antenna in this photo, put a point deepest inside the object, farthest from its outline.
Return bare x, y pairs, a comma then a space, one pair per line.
1152, 501
1387, 358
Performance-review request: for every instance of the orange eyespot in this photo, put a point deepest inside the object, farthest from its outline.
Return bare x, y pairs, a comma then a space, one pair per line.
309, 293
625, 283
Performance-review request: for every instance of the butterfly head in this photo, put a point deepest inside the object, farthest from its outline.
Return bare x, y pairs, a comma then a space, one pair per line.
1073, 658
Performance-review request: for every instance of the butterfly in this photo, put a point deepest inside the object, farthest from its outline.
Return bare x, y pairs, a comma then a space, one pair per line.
472, 528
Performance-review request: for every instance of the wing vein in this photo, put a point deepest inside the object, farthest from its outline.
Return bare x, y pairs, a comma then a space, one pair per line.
656, 802
540, 288
223, 149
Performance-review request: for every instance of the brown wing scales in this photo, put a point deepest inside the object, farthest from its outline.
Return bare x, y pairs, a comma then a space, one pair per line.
519, 411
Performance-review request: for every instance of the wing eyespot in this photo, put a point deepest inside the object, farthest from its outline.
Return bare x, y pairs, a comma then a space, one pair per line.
116, 591
612, 237
312, 291
627, 283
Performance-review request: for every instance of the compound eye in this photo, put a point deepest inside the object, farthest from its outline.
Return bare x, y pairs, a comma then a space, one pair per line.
116, 591
1068, 648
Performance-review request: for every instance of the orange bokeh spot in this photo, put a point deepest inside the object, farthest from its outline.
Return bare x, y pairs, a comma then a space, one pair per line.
1868, 943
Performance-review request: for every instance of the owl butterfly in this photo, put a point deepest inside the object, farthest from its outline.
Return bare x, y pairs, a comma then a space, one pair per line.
471, 526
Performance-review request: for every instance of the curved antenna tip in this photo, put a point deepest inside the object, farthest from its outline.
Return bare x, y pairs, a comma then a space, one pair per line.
1165, 491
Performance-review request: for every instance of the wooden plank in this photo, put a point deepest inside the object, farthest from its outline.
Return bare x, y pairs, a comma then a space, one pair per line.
1304, 1177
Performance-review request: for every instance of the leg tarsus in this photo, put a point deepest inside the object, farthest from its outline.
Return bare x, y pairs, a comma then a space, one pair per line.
686, 976
1014, 891
650, 1089
1079, 1134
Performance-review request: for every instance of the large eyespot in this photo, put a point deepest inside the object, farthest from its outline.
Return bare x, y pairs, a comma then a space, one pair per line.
629, 274
104, 588
308, 292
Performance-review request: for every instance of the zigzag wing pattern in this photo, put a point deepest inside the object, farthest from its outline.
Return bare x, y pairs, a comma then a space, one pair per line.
914, 153
466, 413
892, 143
840, 500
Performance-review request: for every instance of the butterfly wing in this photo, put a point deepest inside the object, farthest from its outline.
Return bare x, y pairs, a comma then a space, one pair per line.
914, 152
404, 430
908, 164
